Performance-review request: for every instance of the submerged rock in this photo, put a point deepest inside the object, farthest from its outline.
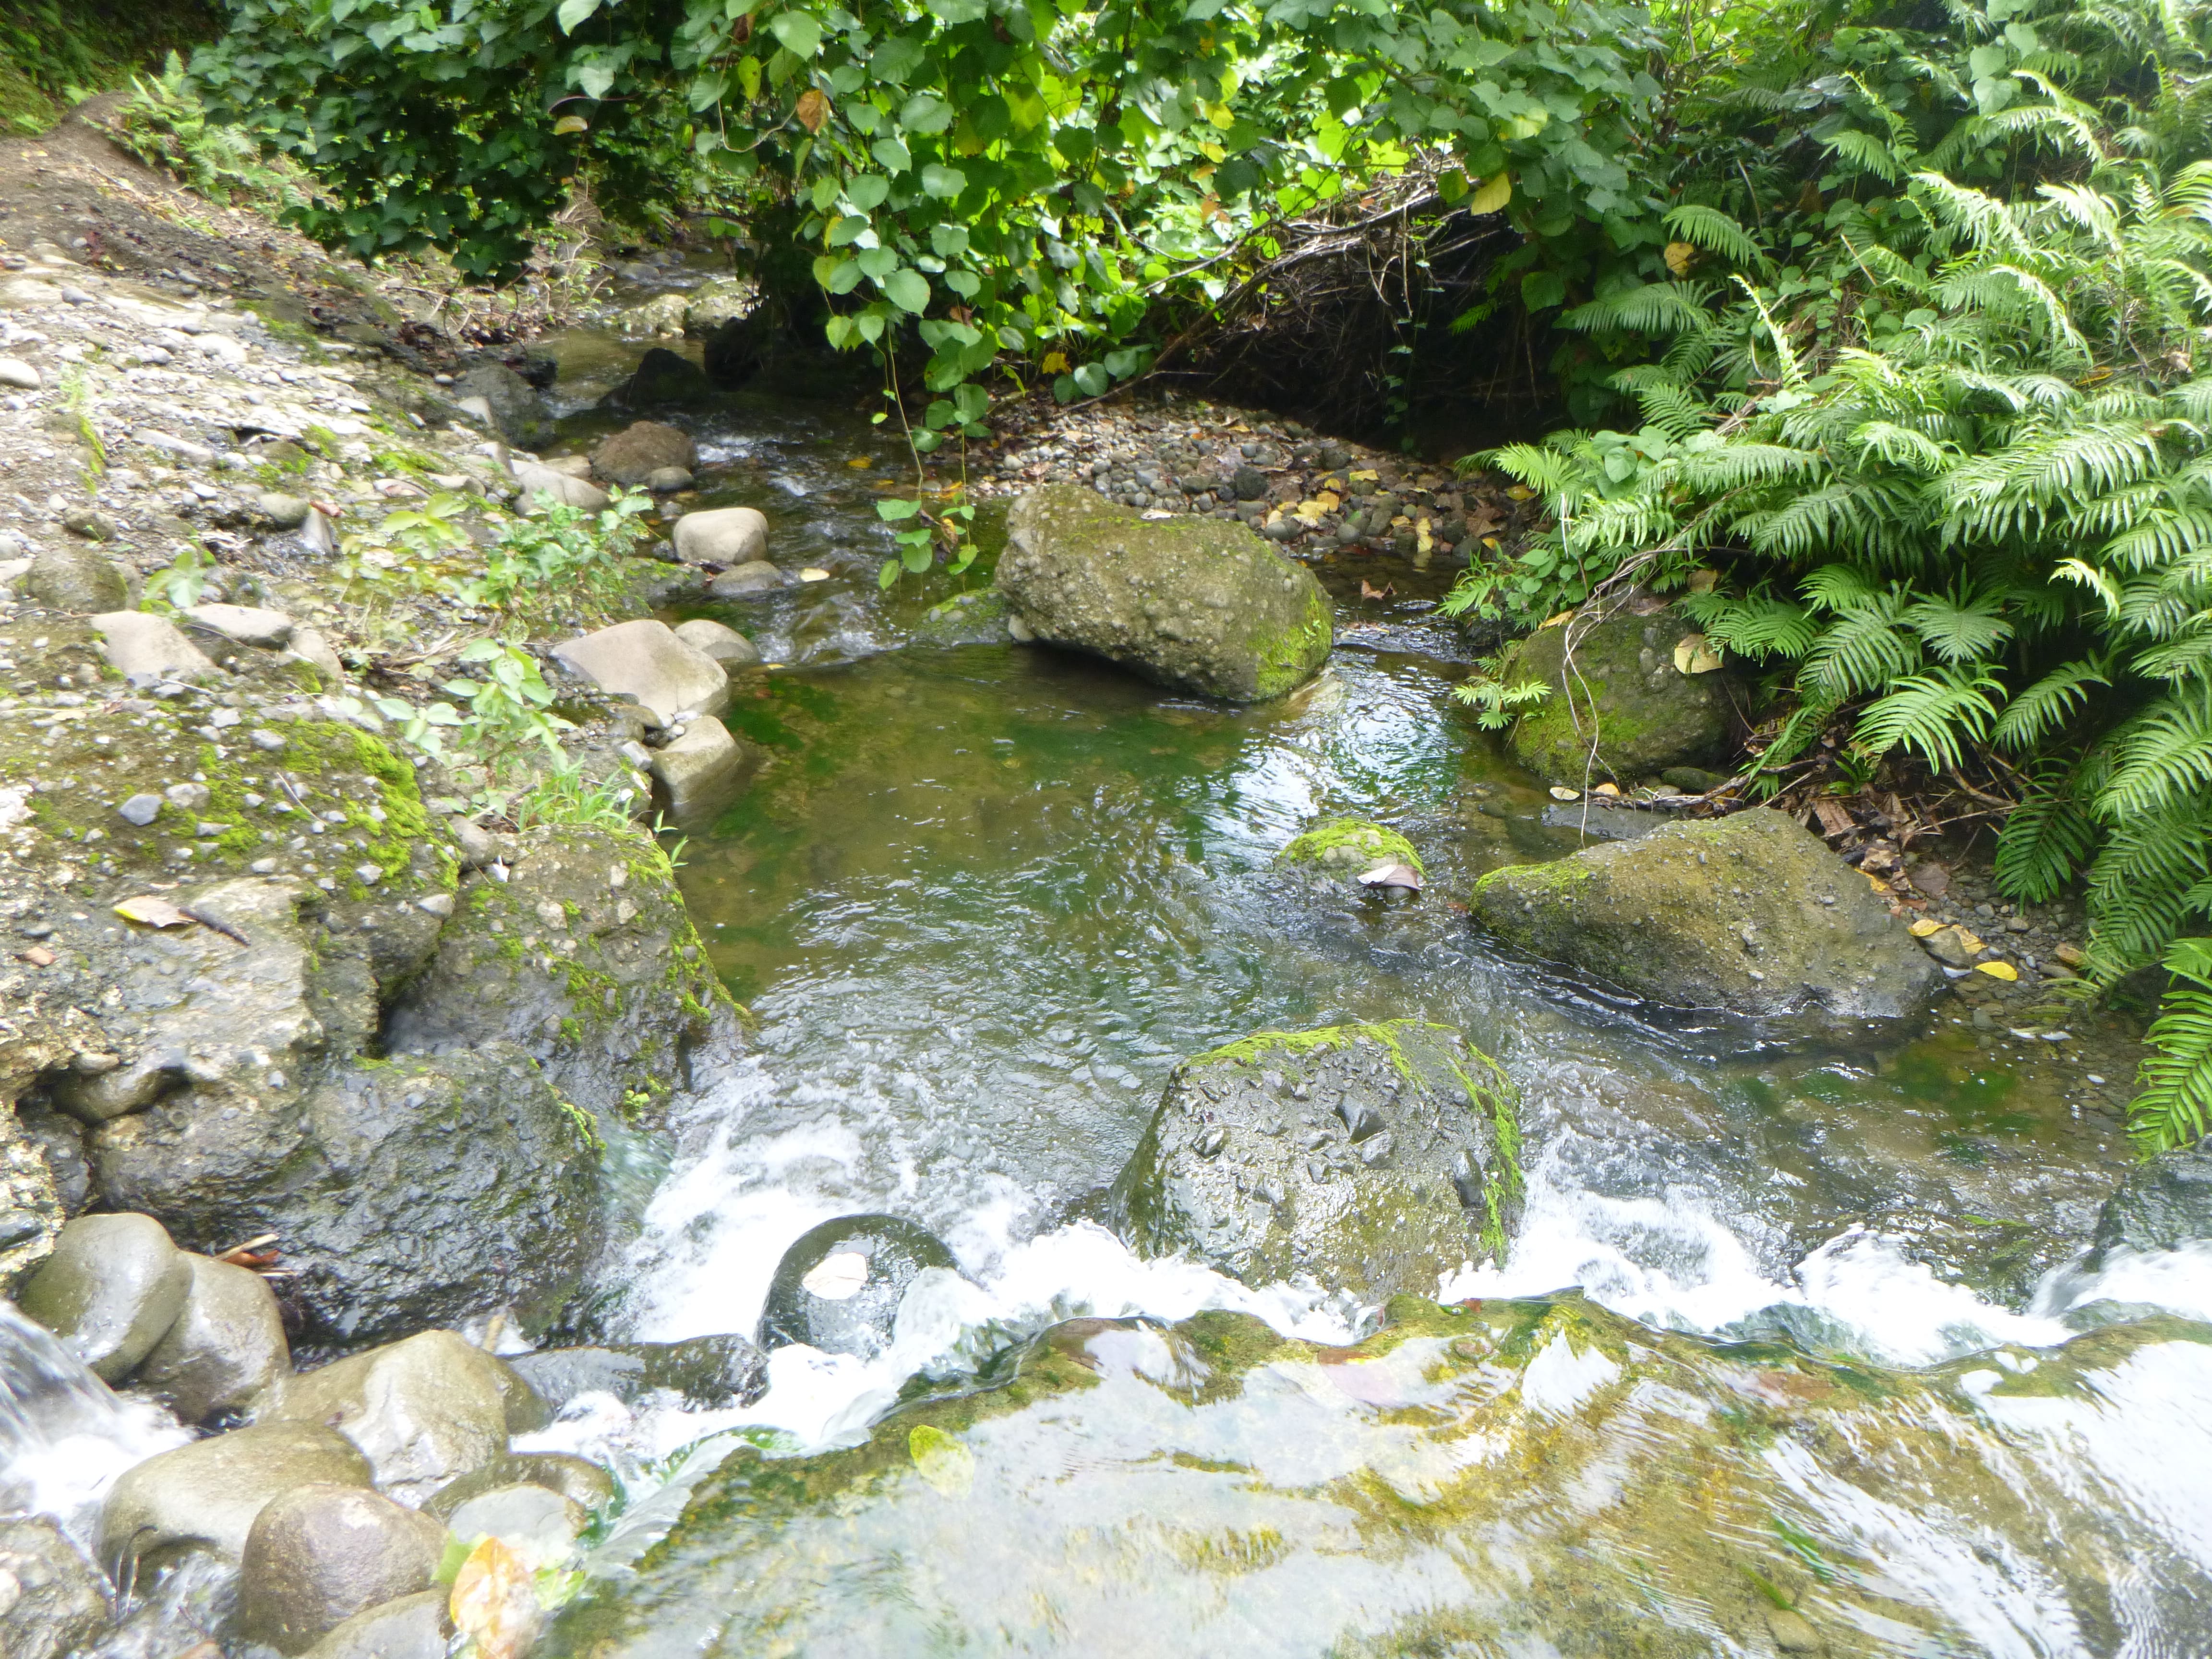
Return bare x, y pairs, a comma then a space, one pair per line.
1750, 914
422, 1412
1375, 1158
226, 1346
2162, 1206
205, 1496
318, 1555
111, 1291
585, 1484
978, 618
1346, 847
839, 1286
709, 1372
410, 1627
51, 1601
1622, 692
1199, 604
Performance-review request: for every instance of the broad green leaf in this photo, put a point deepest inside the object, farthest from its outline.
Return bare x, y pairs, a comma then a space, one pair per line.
868, 191
908, 289
942, 181
1491, 195
801, 35
572, 12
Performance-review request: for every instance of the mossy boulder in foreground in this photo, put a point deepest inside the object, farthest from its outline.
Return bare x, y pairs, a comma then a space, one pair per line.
1623, 692
1199, 604
1750, 914
1376, 1158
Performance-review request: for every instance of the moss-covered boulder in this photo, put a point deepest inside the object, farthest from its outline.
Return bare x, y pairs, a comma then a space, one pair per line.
1749, 913
1196, 604
1374, 1158
1344, 847
1614, 685
586, 960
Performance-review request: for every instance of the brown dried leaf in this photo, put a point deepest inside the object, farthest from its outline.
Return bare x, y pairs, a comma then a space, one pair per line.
493, 1602
813, 109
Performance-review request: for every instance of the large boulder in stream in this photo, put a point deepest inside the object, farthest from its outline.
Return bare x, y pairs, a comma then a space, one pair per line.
2161, 1206
1199, 604
205, 1497
1620, 706
111, 1291
641, 449
1375, 1158
839, 1286
663, 378
1749, 913
318, 1555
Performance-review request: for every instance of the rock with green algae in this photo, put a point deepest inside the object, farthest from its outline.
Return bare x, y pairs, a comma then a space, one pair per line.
1195, 603
1374, 1158
1622, 692
1532, 1475
585, 958
1348, 846
1749, 913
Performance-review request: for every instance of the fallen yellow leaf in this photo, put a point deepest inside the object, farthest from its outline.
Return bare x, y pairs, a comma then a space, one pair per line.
493, 1602
861, 460
1923, 928
1310, 511
1519, 493
1678, 255
1560, 792
813, 574
1969, 940
153, 912
1553, 621
2003, 970
1367, 472
1607, 788
1329, 500
1056, 362
1693, 655
1875, 881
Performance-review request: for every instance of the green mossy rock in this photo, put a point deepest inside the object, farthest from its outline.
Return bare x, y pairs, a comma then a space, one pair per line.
1375, 1158
1348, 846
1195, 604
1749, 913
1625, 690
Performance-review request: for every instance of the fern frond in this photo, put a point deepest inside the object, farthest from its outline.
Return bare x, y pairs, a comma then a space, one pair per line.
2049, 703
1709, 228
1654, 308
2162, 759
1958, 627
2174, 1108
1932, 714
2045, 842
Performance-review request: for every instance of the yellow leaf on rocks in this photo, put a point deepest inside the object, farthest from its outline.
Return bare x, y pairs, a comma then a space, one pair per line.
1970, 941
1492, 195
1694, 655
1607, 788
861, 461
1329, 500
1310, 511
1678, 255
492, 1603
1553, 621
1560, 792
943, 1461
1056, 362
1367, 473
814, 573
2003, 970
1923, 928
153, 912
1425, 540
1875, 881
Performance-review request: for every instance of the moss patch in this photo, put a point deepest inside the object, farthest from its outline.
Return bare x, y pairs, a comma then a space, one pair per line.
1360, 840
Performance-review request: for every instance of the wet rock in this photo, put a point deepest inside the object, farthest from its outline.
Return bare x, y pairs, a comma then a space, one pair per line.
661, 314
585, 957
422, 1411
978, 618
641, 449
52, 1600
1749, 913
1346, 847
538, 1523
757, 577
1953, 946
1594, 820
663, 378
736, 350
839, 1286
242, 624
226, 1346
2161, 1206
1693, 780
111, 1289
318, 1555
1199, 604
144, 648
717, 300
281, 512
1375, 1158
667, 480
516, 412
1624, 692
410, 1627
309, 645
585, 1484
539, 483
67, 577
724, 535
645, 661
709, 1372
723, 643
205, 1496
702, 772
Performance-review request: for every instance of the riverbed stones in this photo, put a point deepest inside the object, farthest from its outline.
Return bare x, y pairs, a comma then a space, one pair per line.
717, 300
111, 1289
422, 1411
839, 1286
145, 648
756, 576
721, 641
1621, 708
51, 1601
205, 1496
582, 1482
1749, 913
729, 536
641, 449
319, 1554
409, 1627
225, 1347
538, 484
1197, 605
242, 624
515, 410
1375, 1158
538, 1523
67, 577
701, 772
644, 660
708, 1372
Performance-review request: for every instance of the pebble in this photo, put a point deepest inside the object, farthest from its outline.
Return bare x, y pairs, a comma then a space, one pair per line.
263, 739
15, 372
189, 796
141, 810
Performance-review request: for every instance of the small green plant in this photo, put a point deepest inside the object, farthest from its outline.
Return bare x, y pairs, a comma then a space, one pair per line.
551, 565
2174, 1108
179, 586
166, 125
568, 794
1497, 705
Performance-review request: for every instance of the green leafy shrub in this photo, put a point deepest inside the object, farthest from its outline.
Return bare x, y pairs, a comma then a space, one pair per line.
165, 125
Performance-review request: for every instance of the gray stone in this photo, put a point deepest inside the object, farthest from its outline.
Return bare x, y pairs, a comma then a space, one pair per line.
20, 293
717, 300
2161, 1206
709, 1372
52, 1600
111, 1289
583, 1483
1196, 604
663, 378
318, 1555
283, 512
141, 810
641, 449
422, 1411
515, 409
757, 577
538, 1523
1377, 1159
724, 535
74, 579
144, 648
189, 796
1749, 913
536, 483
667, 480
645, 661
243, 625
719, 640
90, 523
702, 772
839, 1286
309, 645
410, 1627
226, 1346
206, 1495
1621, 709
15, 372
477, 844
